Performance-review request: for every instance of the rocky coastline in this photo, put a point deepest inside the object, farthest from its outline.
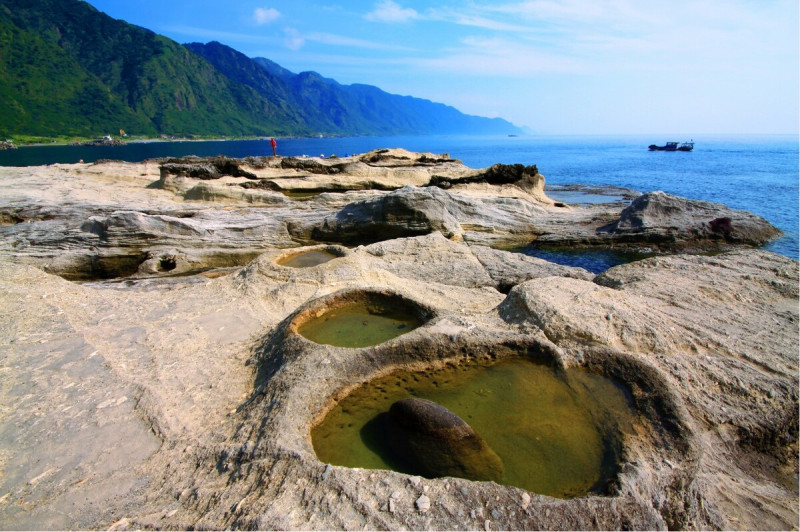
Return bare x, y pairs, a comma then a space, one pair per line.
154, 377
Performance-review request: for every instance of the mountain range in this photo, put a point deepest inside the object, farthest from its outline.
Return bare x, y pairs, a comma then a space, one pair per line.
67, 69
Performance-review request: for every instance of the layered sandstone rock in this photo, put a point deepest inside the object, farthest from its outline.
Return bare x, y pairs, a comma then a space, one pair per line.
159, 401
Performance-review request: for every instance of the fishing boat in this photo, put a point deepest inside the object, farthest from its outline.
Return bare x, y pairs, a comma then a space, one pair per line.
673, 146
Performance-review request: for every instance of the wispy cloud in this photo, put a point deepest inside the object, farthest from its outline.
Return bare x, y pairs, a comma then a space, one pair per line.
265, 15
215, 35
500, 56
293, 40
688, 26
474, 18
340, 40
532, 36
389, 11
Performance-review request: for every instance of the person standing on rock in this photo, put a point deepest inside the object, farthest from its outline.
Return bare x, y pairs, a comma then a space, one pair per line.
274, 145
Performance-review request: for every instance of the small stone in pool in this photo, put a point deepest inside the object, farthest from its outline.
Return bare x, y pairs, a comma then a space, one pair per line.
439, 443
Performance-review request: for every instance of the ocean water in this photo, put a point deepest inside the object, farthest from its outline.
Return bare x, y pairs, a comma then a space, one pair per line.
755, 173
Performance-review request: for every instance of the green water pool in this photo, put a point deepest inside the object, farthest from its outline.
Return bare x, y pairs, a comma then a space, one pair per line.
307, 259
559, 433
359, 324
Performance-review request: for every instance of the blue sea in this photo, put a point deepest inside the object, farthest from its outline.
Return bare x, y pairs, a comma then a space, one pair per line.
755, 173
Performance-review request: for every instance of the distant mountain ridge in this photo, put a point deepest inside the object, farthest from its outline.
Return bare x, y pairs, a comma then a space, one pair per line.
328, 106
68, 69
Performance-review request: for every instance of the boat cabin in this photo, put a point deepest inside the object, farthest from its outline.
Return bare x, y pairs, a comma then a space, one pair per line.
673, 146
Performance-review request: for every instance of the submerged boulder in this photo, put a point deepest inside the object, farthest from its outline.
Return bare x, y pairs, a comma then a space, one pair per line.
438, 443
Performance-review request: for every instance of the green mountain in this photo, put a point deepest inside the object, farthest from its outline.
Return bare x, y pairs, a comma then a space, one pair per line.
68, 69
45, 91
97, 75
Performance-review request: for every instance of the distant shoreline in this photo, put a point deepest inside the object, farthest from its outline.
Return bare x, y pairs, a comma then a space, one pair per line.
140, 141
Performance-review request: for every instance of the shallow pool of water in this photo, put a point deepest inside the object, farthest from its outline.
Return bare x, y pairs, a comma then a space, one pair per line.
557, 433
307, 259
359, 324
595, 260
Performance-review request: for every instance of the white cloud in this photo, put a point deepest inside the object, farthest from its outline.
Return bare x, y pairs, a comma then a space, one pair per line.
620, 36
293, 40
215, 35
340, 40
265, 15
511, 58
389, 11
466, 18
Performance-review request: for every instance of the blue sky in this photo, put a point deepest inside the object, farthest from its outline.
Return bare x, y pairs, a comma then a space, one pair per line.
556, 66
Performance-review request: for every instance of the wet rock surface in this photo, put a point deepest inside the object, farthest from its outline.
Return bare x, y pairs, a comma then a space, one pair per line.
437, 443
167, 402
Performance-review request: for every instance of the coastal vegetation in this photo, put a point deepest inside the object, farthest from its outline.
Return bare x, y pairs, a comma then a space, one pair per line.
69, 70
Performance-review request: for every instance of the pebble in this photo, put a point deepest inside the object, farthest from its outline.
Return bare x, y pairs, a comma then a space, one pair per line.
526, 501
423, 504
415, 481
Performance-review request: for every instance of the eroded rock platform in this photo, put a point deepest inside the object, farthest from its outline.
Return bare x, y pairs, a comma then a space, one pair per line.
158, 400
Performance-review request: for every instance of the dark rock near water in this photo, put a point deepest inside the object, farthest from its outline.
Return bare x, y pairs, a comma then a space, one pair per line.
204, 168
438, 443
261, 184
104, 142
198, 171
659, 217
498, 174
307, 165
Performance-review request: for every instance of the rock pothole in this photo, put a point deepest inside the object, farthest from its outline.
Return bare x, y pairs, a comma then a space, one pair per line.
310, 257
358, 318
303, 382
